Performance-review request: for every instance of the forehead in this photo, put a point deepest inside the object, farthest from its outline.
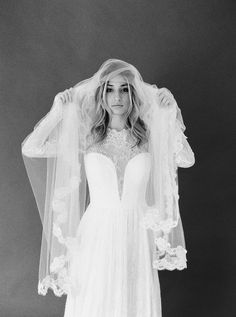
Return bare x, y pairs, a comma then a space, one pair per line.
117, 80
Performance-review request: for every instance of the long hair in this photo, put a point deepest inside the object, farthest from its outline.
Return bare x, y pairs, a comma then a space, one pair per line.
133, 120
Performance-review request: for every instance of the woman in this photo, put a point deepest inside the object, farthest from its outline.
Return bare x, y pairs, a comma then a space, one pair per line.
108, 193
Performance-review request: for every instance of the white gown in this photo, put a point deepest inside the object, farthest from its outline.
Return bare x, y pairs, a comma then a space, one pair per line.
112, 267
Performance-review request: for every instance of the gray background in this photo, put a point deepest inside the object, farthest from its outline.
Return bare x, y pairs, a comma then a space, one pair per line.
184, 45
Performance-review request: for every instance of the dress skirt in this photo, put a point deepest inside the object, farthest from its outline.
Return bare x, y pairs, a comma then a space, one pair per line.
111, 269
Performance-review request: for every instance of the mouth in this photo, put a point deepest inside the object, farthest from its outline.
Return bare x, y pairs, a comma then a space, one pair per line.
117, 106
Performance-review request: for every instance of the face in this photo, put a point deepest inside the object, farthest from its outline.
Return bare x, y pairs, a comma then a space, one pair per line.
117, 95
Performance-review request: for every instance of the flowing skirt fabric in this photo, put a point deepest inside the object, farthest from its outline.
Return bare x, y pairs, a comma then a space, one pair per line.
111, 269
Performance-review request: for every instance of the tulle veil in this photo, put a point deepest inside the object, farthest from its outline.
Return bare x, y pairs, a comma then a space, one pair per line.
53, 155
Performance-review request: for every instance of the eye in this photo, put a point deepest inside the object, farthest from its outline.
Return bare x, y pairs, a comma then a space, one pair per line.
108, 90
125, 89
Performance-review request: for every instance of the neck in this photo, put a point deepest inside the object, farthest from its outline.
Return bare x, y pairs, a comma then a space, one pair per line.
117, 123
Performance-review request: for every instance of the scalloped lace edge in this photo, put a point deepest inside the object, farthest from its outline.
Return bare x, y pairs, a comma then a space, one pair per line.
170, 259
55, 285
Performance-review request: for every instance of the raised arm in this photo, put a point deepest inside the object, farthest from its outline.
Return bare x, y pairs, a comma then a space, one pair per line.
184, 156
41, 142
36, 143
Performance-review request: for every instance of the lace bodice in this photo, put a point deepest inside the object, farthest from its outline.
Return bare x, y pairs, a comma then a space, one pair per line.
120, 147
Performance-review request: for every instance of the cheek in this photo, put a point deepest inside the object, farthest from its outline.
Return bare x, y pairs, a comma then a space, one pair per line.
126, 100
108, 99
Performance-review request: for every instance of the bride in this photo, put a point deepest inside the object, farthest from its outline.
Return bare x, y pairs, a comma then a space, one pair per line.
103, 168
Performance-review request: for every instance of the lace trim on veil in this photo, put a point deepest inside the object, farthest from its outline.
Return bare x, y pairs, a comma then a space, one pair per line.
167, 258
164, 257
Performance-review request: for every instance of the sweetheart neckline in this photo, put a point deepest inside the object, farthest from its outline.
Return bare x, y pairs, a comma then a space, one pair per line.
114, 167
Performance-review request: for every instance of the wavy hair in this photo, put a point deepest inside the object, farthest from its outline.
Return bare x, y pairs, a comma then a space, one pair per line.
133, 120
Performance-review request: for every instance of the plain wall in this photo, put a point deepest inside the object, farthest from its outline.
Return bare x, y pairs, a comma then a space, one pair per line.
187, 46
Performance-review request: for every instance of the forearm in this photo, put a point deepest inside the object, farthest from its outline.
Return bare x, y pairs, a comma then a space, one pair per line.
35, 143
184, 155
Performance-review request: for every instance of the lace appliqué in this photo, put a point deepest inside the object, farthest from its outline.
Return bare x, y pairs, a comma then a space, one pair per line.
120, 147
59, 279
59, 285
167, 258
184, 156
164, 257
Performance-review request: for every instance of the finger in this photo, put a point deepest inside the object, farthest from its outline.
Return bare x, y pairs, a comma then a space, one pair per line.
63, 98
59, 97
166, 92
162, 103
166, 101
161, 90
71, 94
162, 98
67, 96
163, 95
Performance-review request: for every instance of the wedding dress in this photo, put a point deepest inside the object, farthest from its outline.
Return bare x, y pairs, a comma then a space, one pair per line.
105, 253
115, 276
111, 267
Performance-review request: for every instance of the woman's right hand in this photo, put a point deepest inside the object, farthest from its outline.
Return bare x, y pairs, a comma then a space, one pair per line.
65, 96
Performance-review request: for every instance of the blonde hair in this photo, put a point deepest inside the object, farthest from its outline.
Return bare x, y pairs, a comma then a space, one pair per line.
133, 121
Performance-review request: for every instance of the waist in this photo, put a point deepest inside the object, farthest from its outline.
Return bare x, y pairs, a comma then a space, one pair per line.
117, 206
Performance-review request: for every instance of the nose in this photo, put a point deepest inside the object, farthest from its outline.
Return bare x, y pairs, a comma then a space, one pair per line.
117, 97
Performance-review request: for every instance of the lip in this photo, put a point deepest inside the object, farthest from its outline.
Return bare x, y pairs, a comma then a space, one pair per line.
117, 106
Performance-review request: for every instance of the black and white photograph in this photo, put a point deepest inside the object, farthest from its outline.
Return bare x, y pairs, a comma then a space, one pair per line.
117, 174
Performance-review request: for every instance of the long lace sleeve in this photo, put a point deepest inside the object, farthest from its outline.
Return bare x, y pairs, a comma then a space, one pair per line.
38, 143
184, 155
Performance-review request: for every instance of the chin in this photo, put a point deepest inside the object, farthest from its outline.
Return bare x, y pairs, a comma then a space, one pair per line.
119, 110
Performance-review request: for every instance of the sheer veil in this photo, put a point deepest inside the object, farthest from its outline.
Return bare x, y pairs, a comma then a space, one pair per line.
53, 155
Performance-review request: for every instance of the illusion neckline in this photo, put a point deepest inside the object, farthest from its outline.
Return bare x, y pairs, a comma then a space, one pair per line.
117, 131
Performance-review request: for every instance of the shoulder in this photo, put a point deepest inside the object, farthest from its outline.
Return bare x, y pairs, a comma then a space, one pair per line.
144, 146
91, 142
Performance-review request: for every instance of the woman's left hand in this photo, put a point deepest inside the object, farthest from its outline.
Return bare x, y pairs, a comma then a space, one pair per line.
166, 98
